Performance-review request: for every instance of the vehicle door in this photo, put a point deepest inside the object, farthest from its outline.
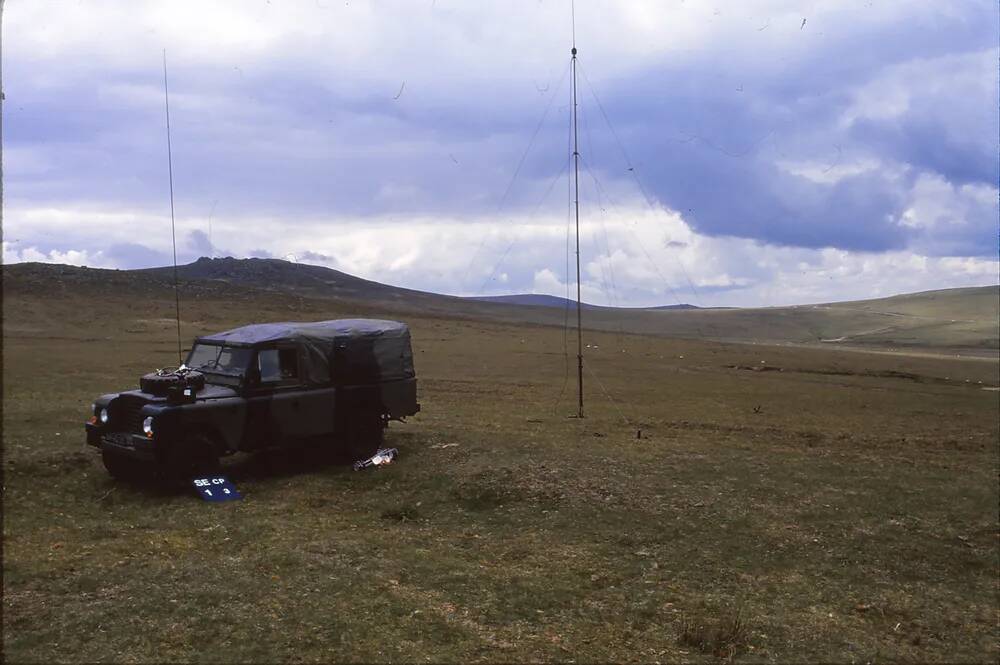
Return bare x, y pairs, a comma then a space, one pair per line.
298, 410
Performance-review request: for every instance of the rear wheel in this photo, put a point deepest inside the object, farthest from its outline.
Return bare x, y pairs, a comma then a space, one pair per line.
364, 435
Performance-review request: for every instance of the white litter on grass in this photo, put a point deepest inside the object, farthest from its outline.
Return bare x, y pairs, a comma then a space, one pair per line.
380, 458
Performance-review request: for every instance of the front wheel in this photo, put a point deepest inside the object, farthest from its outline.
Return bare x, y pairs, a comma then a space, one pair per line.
191, 458
121, 467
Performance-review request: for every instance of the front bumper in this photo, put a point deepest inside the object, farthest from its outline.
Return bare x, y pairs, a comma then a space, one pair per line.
93, 435
136, 446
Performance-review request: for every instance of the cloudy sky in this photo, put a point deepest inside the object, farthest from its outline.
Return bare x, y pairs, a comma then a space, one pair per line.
751, 153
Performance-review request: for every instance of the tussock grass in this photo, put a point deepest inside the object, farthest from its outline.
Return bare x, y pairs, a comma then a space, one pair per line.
725, 635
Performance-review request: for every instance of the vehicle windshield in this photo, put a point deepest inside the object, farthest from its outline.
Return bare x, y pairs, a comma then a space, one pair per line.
217, 359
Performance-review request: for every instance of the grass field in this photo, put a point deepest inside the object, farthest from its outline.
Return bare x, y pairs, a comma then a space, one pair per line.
841, 509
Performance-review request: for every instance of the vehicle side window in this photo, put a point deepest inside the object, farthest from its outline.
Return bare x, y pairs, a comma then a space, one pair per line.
270, 369
278, 365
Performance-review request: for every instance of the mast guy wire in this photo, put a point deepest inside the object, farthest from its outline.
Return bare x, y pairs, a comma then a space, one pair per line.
520, 165
635, 176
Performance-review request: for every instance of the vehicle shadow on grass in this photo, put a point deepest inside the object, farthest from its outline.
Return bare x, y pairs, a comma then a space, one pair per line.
255, 467
309, 458
285, 462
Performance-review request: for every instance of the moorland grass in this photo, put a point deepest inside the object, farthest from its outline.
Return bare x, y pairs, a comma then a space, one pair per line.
841, 509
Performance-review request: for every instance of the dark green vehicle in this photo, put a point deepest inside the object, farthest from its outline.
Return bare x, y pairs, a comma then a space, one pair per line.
332, 383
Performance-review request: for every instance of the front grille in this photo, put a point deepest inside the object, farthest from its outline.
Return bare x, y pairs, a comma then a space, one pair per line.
125, 415
119, 440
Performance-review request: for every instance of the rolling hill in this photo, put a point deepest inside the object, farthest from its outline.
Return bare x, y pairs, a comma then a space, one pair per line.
966, 318
542, 300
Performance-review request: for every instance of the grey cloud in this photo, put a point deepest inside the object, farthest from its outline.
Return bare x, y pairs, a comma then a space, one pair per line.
718, 161
199, 242
135, 255
925, 143
316, 257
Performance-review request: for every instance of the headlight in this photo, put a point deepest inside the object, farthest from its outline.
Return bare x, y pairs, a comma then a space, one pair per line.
147, 425
103, 415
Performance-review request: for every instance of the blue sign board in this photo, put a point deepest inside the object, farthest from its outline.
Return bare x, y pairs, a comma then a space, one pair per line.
216, 488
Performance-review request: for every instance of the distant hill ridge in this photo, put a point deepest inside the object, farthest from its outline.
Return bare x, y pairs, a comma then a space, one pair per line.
542, 300
278, 273
303, 278
960, 318
268, 272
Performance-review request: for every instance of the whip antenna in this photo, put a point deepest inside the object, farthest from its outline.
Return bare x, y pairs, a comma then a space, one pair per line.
173, 225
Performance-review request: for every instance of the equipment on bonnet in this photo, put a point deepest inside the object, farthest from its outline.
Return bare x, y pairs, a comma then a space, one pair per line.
167, 381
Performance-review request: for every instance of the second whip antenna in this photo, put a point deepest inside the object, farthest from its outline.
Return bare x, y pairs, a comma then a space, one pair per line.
173, 225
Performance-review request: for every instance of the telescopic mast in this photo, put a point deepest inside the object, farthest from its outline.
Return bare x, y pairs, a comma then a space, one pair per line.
576, 203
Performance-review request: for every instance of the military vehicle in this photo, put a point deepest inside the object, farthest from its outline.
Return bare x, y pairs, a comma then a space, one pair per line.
332, 383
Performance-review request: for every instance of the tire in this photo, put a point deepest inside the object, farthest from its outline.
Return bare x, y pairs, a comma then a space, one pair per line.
190, 458
364, 435
158, 384
121, 467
